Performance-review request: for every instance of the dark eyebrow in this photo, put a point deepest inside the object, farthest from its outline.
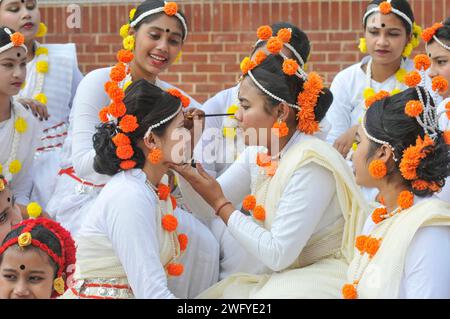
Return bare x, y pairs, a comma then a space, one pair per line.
41, 272
162, 30
10, 270
242, 99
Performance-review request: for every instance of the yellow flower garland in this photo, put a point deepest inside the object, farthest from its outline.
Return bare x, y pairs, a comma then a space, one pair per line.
42, 31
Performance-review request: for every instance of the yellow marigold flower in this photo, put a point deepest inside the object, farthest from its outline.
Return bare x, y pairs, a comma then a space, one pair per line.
400, 75
368, 92
24, 239
42, 66
124, 30
229, 132
34, 210
354, 146
1, 168
408, 50
362, 45
232, 109
42, 50
21, 125
395, 91
42, 30
132, 13
128, 43
15, 167
58, 285
41, 97
126, 85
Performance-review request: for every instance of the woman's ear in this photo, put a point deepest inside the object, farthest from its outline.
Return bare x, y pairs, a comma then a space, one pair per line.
151, 141
385, 153
283, 111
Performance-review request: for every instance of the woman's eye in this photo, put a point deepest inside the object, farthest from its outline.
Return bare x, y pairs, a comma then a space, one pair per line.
9, 277
155, 36
441, 62
35, 279
174, 42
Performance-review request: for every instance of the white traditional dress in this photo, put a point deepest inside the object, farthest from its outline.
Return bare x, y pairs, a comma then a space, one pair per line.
444, 124
122, 244
413, 258
59, 85
313, 209
19, 146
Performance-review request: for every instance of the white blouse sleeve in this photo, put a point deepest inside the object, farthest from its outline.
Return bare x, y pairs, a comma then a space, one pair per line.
89, 100
427, 265
339, 114
131, 227
298, 214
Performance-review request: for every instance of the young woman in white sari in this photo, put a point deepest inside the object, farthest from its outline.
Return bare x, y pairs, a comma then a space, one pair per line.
404, 249
131, 243
305, 206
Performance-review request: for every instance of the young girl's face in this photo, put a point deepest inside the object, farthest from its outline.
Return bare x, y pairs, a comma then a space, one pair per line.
26, 274
386, 37
9, 213
359, 159
22, 16
13, 70
440, 63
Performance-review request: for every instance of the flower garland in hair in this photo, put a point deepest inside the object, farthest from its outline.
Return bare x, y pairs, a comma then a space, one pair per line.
65, 263
307, 100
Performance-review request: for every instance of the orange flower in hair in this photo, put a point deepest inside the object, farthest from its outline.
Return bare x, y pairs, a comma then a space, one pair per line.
274, 45
175, 270
413, 108
422, 62
247, 65
405, 199
413, 79
377, 215
126, 165
128, 123
185, 101
439, 84
262, 160
259, 213
183, 240
349, 292
175, 92
17, 39
110, 85
118, 73
260, 56
309, 127
290, 66
121, 139
116, 95
125, 152
125, 56
169, 223
249, 202
385, 7
284, 35
371, 247
163, 192
360, 243
377, 97
264, 32
446, 135
428, 33
117, 109
419, 185
103, 115
171, 8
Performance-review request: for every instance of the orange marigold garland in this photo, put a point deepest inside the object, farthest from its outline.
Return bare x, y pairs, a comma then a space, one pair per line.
274, 45
169, 223
360, 243
405, 199
259, 213
121, 139
284, 35
127, 165
422, 62
174, 201
262, 160
372, 245
447, 110
128, 123
249, 203
377, 215
307, 100
103, 115
439, 84
428, 33
163, 192
413, 155
183, 240
264, 32
117, 109
125, 56
413, 108
290, 66
124, 152
175, 270
260, 56
446, 135
413, 79
349, 291
247, 65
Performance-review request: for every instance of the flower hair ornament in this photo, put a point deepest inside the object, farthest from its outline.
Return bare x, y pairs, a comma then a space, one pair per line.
169, 8
313, 86
64, 262
386, 7
430, 33
17, 40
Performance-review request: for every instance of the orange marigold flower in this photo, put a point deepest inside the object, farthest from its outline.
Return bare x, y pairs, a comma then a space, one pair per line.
309, 127
247, 65
447, 109
260, 56
171, 8
439, 84
175, 270
284, 35
174, 201
155, 156
264, 32
103, 115
128, 123
183, 240
274, 45
121, 139
110, 85
116, 95
272, 169
262, 160
385, 7
349, 292
169, 223
280, 129
118, 73
413, 79
163, 191
125, 56
422, 62
17, 39
410, 161
446, 135
175, 92
249, 202
125, 152
290, 67
419, 185
413, 108
259, 213
377, 169
361, 243
377, 215
126, 165
117, 109
371, 246
428, 33
405, 199
185, 101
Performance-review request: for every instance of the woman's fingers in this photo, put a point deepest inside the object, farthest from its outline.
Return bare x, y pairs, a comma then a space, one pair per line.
202, 171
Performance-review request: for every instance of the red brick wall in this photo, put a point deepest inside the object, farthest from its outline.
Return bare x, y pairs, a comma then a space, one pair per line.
222, 32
